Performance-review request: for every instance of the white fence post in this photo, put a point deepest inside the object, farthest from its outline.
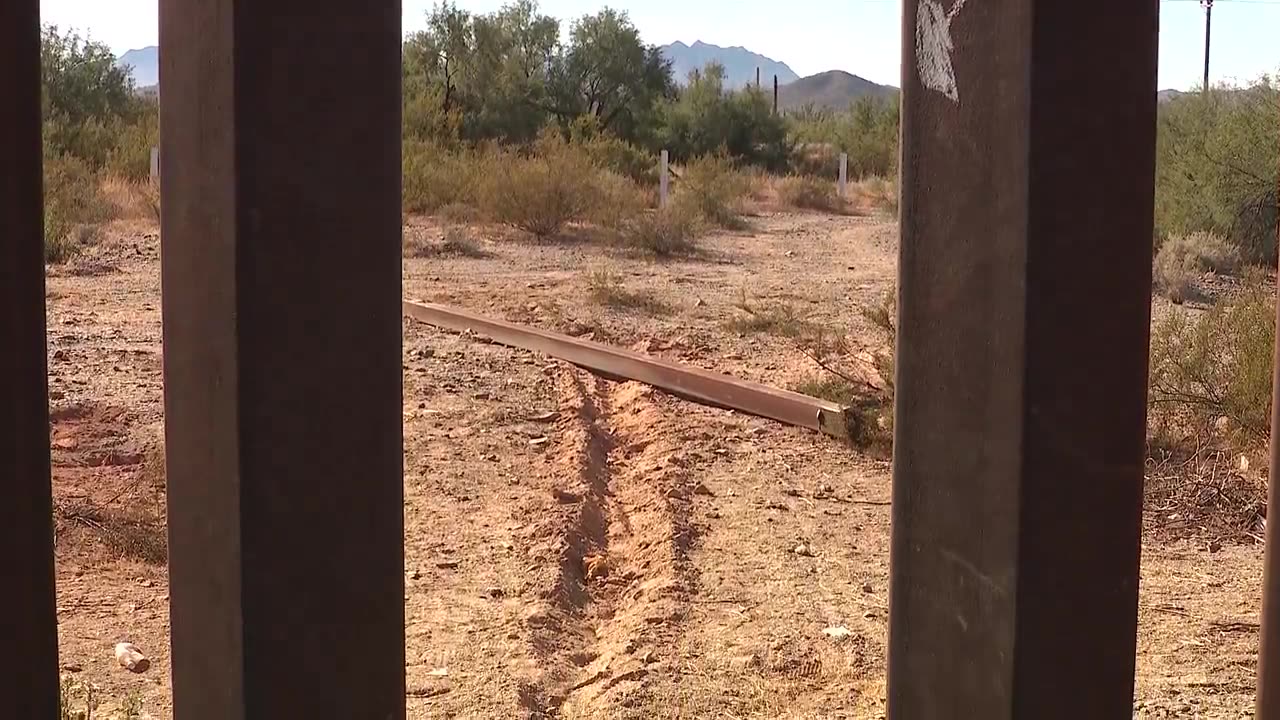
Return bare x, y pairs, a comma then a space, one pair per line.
844, 172
155, 163
664, 183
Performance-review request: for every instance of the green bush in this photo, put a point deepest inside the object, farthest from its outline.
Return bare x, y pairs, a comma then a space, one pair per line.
1211, 371
707, 118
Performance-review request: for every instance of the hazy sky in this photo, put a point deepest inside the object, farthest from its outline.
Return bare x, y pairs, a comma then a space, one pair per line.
860, 36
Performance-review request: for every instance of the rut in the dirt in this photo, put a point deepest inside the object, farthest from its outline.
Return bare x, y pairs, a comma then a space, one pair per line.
623, 581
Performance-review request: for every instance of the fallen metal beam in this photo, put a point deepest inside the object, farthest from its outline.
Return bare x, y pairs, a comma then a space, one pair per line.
693, 383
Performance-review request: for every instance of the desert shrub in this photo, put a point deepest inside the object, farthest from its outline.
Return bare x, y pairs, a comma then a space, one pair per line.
712, 187
72, 198
131, 156
71, 186
881, 192
616, 201
623, 158
672, 230
543, 192
810, 193
1211, 371
817, 159
1183, 258
435, 176
59, 246
1174, 279
1203, 251
856, 375
867, 131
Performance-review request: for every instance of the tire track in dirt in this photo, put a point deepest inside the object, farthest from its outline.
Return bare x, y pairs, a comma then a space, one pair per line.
623, 581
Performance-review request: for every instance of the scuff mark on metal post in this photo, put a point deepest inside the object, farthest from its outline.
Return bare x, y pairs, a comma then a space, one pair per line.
934, 46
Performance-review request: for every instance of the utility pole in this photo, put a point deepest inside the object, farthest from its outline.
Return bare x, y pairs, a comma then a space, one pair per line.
1208, 24
775, 94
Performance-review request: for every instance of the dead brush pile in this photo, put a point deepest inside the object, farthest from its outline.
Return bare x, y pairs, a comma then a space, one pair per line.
1209, 410
1207, 492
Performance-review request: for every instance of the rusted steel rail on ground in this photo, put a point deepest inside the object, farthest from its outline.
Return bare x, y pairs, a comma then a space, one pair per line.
695, 384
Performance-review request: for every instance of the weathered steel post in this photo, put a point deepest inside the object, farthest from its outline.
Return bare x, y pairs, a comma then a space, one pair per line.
1027, 202
1268, 698
29, 631
280, 176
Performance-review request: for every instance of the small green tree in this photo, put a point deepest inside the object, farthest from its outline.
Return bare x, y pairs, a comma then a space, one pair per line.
607, 72
86, 95
707, 118
1217, 154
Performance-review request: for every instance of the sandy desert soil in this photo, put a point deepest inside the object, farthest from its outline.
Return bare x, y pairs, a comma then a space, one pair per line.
576, 547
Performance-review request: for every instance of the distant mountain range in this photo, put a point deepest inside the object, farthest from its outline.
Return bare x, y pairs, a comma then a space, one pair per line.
833, 89
144, 64
739, 63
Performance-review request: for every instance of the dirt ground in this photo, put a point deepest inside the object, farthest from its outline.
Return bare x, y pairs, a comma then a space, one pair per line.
576, 547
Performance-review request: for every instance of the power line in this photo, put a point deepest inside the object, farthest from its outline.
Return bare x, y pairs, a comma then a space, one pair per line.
1208, 23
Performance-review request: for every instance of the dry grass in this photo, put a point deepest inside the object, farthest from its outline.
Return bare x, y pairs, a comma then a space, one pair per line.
84, 701
457, 242
131, 199
607, 288
777, 318
880, 193
460, 213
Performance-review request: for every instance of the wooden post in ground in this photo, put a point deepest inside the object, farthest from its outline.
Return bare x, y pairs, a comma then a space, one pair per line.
1019, 447
155, 164
29, 630
664, 179
282, 357
844, 174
